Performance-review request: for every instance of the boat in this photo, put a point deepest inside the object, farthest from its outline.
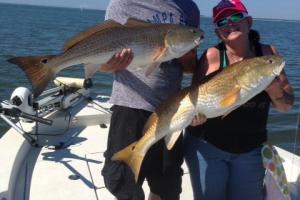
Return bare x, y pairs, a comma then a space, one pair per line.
54, 148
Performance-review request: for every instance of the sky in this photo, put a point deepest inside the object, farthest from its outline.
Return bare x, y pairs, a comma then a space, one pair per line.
284, 9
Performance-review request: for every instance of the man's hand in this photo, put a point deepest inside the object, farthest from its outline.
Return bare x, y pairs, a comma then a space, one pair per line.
198, 120
189, 61
119, 61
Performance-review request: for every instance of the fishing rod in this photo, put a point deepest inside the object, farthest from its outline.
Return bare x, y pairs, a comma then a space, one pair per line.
14, 111
87, 83
7, 111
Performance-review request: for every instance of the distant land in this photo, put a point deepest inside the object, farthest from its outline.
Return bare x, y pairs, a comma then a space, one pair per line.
265, 19
270, 19
84, 7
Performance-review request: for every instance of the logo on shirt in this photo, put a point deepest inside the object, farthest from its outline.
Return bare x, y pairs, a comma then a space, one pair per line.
167, 18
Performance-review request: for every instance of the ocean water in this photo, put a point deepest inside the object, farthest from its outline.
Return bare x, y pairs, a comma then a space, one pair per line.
33, 30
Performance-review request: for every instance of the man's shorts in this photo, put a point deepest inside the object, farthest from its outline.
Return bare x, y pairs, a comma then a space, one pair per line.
161, 167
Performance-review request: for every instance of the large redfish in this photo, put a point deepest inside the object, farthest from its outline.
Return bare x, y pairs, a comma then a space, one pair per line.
151, 44
220, 95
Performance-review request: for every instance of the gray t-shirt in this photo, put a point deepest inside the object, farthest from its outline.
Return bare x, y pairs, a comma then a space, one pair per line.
132, 88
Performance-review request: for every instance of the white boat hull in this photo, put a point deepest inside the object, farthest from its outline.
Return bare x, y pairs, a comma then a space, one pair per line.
73, 169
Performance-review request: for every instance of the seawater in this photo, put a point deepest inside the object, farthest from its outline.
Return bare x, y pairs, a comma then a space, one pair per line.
35, 30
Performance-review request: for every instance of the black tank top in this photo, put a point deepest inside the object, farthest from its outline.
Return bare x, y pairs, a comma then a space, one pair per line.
244, 128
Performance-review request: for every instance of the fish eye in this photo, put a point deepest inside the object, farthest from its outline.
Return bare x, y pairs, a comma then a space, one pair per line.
270, 61
44, 61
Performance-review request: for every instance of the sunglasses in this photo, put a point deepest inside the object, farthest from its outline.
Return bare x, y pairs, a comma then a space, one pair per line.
236, 17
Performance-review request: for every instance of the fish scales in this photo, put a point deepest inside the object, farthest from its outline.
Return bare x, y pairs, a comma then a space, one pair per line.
151, 45
218, 96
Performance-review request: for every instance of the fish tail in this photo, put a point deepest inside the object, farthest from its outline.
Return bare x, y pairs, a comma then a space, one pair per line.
36, 70
131, 157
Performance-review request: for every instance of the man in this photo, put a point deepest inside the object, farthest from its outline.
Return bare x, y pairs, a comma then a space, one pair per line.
135, 96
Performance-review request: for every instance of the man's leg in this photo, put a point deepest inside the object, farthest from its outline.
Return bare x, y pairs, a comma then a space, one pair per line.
153, 196
164, 173
126, 127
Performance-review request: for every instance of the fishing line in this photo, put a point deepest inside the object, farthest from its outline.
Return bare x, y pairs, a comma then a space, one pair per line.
297, 131
34, 134
296, 136
88, 99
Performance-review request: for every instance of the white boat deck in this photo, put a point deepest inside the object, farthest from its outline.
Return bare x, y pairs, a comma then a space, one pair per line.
74, 170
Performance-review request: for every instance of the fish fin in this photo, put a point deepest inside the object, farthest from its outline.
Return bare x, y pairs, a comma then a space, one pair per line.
228, 112
151, 68
171, 139
107, 68
147, 69
133, 22
131, 157
108, 24
90, 69
160, 52
231, 97
36, 70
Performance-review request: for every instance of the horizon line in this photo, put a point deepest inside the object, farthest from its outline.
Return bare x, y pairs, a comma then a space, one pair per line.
94, 9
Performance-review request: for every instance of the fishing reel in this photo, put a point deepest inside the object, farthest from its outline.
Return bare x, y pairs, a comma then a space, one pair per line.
21, 106
22, 98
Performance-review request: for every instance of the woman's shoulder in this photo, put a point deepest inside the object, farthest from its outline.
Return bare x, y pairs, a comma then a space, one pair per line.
212, 52
212, 55
210, 60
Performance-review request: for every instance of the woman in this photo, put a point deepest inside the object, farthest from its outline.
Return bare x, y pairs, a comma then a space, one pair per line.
223, 154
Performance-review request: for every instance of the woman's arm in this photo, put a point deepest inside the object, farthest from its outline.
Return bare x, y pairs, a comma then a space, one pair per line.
281, 93
280, 90
208, 63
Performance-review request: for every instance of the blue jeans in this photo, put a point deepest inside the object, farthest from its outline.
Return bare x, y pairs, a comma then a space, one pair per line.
219, 175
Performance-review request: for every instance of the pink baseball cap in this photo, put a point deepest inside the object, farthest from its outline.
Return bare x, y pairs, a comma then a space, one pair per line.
224, 5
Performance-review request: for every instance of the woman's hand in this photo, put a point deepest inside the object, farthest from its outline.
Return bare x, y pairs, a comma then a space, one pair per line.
119, 61
281, 93
275, 87
198, 120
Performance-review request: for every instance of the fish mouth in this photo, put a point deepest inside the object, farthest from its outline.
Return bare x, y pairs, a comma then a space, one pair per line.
199, 40
278, 70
